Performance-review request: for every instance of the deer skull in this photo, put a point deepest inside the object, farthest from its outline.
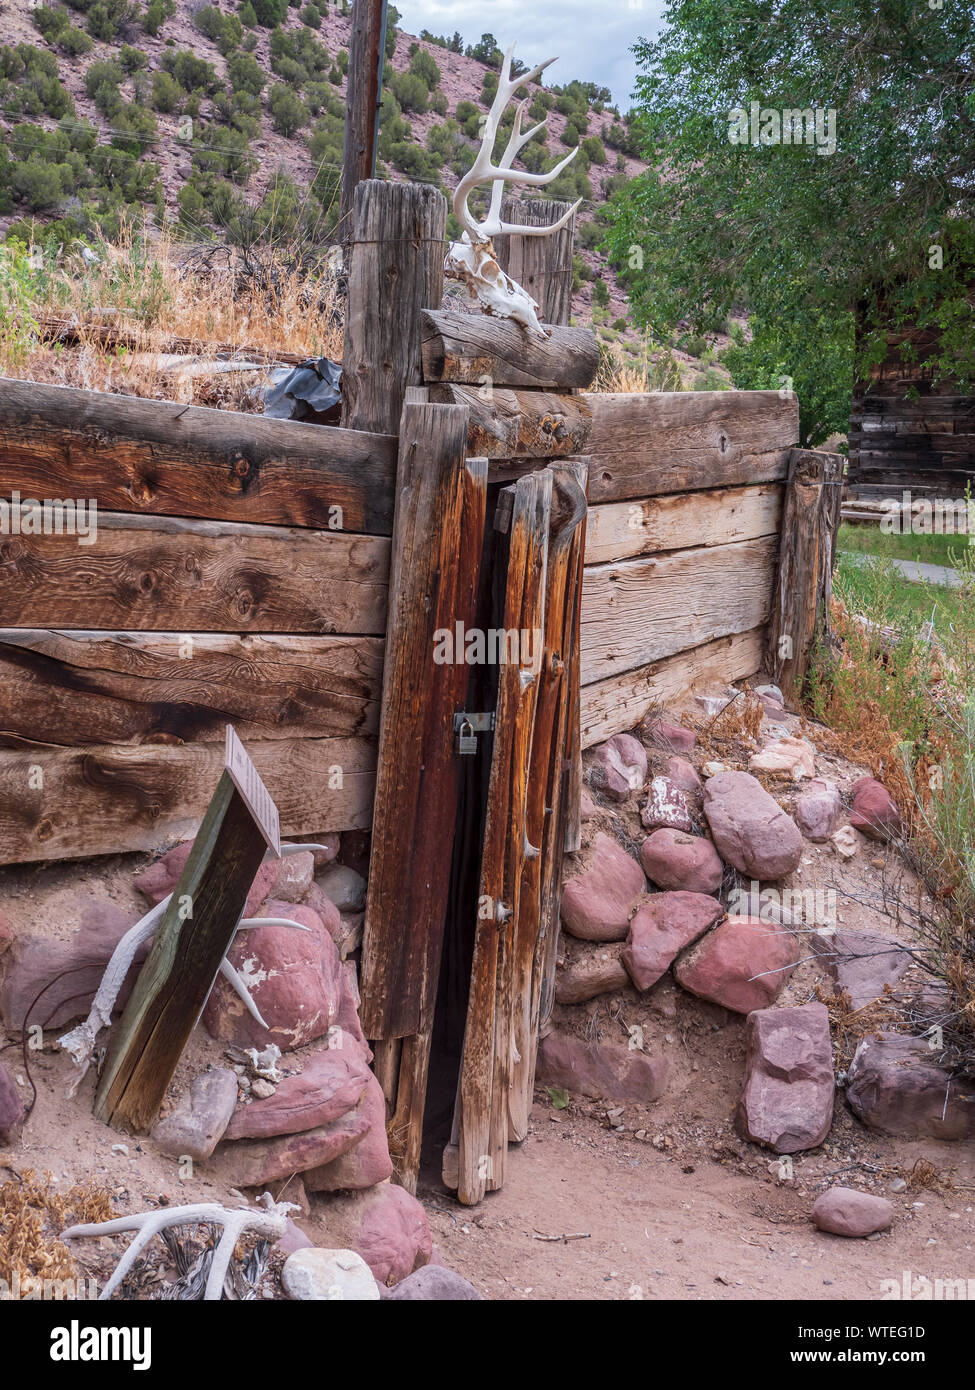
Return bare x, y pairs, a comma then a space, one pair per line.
472, 259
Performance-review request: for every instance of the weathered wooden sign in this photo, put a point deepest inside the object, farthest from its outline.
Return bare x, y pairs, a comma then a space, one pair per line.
189, 944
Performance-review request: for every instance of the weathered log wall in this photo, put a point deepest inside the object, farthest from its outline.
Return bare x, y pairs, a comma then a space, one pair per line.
682, 545
267, 542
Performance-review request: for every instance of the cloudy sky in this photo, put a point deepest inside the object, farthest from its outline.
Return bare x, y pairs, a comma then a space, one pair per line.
591, 37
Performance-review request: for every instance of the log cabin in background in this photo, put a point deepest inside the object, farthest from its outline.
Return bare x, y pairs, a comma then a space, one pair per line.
910, 431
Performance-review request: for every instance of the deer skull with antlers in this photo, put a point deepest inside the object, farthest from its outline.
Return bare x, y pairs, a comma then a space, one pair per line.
472, 259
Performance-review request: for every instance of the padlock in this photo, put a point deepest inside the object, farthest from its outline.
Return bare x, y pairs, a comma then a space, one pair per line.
466, 738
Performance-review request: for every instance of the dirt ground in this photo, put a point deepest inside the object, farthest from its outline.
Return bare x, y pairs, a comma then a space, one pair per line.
661, 1202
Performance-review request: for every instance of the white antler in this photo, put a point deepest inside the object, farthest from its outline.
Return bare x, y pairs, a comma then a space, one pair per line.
472, 259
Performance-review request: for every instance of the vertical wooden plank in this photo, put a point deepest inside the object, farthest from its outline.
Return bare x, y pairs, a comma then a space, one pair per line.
440, 510
573, 661
807, 552
541, 264
179, 972
566, 780
545, 782
395, 270
485, 1064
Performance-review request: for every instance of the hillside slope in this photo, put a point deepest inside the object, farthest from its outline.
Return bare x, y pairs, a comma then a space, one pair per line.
110, 108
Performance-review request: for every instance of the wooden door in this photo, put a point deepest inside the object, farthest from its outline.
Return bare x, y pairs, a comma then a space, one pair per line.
527, 806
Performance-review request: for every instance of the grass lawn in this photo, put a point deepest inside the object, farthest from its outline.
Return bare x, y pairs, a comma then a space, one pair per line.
928, 550
865, 588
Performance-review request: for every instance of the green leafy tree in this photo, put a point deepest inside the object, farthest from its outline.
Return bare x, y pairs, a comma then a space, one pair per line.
812, 219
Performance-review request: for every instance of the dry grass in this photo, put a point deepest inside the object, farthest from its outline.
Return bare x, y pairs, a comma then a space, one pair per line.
899, 696
124, 319
657, 370
31, 1211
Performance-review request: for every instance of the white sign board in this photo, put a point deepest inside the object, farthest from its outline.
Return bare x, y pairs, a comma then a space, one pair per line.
257, 798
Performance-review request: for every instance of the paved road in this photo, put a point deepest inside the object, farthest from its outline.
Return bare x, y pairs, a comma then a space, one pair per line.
915, 572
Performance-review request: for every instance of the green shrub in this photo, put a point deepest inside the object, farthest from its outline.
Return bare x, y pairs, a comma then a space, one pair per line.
31, 86
311, 16
423, 65
74, 42
469, 118
132, 59
192, 73
36, 184
412, 159
570, 135
134, 129
157, 12
290, 71
410, 91
50, 23
245, 73
166, 91
223, 152
288, 112
226, 30
316, 96
620, 325
107, 17
269, 13
248, 15
600, 293
594, 149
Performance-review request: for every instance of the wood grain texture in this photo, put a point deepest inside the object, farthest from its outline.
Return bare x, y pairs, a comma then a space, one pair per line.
683, 441
526, 424
547, 786
160, 458
178, 974
639, 611
807, 555
615, 705
216, 576
486, 1058
395, 271
78, 802
542, 265
68, 688
618, 530
436, 556
469, 348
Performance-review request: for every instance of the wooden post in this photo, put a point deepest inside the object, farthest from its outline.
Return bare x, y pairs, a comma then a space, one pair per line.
807, 550
178, 975
486, 1062
395, 271
367, 56
434, 570
541, 264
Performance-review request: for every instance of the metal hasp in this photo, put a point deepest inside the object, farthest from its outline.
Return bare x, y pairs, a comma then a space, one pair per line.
467, 727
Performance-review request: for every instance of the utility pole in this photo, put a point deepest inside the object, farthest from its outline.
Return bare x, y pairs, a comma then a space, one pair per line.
367, 57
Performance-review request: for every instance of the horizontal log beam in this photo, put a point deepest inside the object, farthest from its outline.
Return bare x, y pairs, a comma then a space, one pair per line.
470, 348
683, 441
161, 458
218, 577
528, 424
78, 802
617, 530
63, 689
612, 706
639, 611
